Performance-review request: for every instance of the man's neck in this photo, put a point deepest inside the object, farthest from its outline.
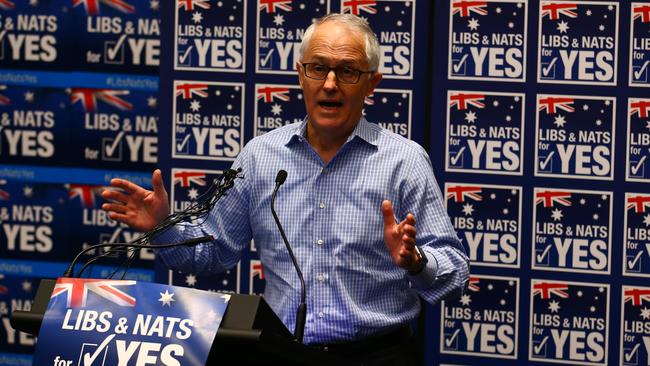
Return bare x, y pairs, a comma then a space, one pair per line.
326, 145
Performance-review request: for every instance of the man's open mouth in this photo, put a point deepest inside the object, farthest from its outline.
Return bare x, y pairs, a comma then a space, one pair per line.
330, 104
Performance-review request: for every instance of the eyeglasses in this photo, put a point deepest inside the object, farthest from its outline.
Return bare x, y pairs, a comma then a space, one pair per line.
344, 74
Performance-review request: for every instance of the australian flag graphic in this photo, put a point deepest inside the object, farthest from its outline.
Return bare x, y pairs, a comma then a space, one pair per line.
277, 105
484, 132
635, 341
486, 215
390, 109
568, 220
637, 235
578, 42
638, 167
569, 322
575, 137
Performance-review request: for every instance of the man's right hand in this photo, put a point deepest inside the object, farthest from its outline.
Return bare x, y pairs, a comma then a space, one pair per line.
139, 208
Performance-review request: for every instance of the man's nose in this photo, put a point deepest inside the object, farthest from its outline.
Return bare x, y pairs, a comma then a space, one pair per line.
330, 81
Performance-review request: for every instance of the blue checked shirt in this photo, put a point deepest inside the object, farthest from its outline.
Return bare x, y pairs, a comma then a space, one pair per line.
332, 218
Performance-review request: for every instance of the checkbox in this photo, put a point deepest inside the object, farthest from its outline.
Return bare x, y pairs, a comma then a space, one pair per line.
548, 69
114, 52
89, 349
182, 145
266, 60
546, 163
185, 56
542, 256
539, 347
456, 158
637, 168
111, 149
451, 340
459, 66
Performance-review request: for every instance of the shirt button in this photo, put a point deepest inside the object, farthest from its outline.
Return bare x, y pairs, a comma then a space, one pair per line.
321, 278
321, 314
319, 241
321, 205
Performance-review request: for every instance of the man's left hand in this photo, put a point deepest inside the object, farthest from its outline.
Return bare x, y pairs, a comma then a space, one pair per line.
400, 238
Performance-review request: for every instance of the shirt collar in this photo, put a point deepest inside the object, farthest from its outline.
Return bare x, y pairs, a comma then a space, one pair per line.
364, 130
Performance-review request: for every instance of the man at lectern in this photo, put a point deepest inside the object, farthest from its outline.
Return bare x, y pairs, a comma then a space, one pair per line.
354, 196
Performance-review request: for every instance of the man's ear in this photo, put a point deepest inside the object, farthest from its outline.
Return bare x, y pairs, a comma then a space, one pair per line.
299, 69
374, 81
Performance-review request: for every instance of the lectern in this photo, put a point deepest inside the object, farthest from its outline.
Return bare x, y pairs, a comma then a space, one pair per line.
250, 333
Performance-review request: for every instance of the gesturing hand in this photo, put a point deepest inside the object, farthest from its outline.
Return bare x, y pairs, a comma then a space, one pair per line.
139, 208
400, 238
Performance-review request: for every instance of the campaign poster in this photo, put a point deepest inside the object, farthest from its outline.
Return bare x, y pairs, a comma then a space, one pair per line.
487, 219
256, 279
485, 132
208, 120
574, 137
484, 321
569, 322
33, 34
117, 36
635, 326
33, 125
639, 55
280, 27
578, 42
189, 186
391, 109
487, 40
210, 35
92, 226
121, 322
277, 105
34, 222
572, 230
226, 282
394, 23
637, 168
16, 293
636, 258
117, 128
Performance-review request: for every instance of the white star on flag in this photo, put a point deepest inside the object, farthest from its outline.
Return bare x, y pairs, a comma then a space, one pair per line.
192, 193
468, 209
557, 215
278, 20
190, 280
465, 300
276, 109
473, 24
554, 306
559, 121
29, 96
195, 105
645, 313
197, 17
470, 117
152, 102
562, 26
166, 298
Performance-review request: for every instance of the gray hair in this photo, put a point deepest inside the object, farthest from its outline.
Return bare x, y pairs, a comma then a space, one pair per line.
353, 22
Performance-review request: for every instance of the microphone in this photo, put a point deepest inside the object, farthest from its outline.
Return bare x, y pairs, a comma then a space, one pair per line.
191, 242
301, 313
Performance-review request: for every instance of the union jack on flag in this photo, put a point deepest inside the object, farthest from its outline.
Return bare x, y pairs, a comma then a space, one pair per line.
356, 6
473, 284
92, 6
554, 10
7, 5
639, 203
270, 5
86, 193
190, 90
636, 296
641, 12
185, 178
552, 104
257, 269
4, 195
465, 8
3, 289
640, 107
460, 193
190, 4
269, 93
462, 101
368, 100
548, 198
77, 290
88, 98
4, 100
546, 289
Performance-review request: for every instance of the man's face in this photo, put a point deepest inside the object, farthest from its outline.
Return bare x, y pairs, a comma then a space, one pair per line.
334, 108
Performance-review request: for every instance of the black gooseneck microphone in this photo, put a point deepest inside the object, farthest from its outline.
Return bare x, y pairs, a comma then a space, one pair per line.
301, 314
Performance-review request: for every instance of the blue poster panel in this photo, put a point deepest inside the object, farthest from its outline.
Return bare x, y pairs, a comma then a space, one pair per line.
487, 219
485, 132
484, 321
569, 322
226, 282
578, 42
280, 27
635, 326
575, 137
394, 23
210, 36
119, 36
572, 230
636, 258
33, 125
16, 293
391, 109
208, 120
487, 40
637, 168
111, 322
639, 75
277, 105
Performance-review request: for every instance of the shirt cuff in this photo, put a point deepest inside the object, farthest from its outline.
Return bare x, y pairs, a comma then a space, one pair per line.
427, 276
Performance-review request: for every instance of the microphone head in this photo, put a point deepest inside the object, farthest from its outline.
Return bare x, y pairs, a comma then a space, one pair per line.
281, 177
